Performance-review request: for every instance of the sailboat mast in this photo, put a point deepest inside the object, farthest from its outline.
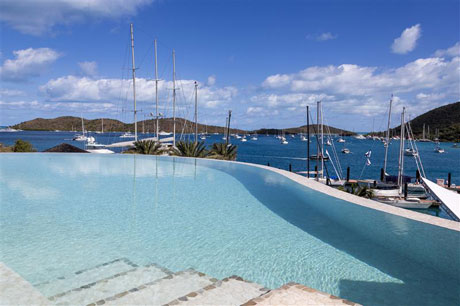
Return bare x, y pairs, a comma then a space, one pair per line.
174, 97
308, 142
156, 91
423, 136
134, 83
196, 112
388, 137
401, 151
102, 126
317, 139
322, 139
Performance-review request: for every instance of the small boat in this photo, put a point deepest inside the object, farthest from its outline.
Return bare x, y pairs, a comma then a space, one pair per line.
127, 135
340, 140
254, 137
244, 139
9, 129
163, 133
360, 136
202, 137
328, 142
292, 136
318, 157
237, 136
410, 152
455, 145
284, 142
346, 151
303, 138
414, 203
93, 147
79, 138
438, 149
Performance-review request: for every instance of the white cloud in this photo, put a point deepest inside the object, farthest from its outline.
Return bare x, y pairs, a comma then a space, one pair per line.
10, 92
40, 16
450, 52
88, 68
351, 79
326, 36
211, 80
407, 41
27, 63
65, 106
84, 89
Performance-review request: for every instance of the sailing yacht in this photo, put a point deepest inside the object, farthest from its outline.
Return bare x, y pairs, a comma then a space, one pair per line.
340, 140
102, 127
81, 137
244, 139
438, 149
254, 137
410, 152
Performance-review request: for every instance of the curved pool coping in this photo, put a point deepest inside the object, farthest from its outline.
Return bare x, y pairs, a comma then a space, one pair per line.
317, 186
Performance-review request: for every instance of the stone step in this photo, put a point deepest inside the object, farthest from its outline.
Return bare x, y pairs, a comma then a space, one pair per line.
164, 290
111, 286
297, 295
84, 277
230, 291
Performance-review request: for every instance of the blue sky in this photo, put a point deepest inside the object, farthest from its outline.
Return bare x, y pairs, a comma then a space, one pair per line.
265, 60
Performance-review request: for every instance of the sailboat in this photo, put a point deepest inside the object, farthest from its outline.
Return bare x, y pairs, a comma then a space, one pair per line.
254, 137
346, 151
81, 137
102, 127
399, 200
341, 140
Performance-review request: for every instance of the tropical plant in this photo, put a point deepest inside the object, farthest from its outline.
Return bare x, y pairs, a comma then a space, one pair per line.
23, 146
190, 149
223, 151
147, 147
359, 191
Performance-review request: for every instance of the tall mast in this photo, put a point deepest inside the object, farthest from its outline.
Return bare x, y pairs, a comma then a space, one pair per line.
322, 140
388, 137
401, 151
228, 127
156, 91
308, 142
174, 97
102, 127
196, 112
423, 131
134, 84
317, 140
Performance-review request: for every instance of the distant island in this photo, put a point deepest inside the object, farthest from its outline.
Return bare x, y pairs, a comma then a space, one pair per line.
69, 123
442, 123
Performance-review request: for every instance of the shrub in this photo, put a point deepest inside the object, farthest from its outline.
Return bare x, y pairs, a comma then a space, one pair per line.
23, 146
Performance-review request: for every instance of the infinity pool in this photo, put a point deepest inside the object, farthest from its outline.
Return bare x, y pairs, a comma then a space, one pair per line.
62, 213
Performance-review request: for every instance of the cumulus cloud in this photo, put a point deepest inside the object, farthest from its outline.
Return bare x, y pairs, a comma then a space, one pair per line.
450, 52
38, 17
27, 63
88, 68
351, 79
83, 89
211, 80
407, 41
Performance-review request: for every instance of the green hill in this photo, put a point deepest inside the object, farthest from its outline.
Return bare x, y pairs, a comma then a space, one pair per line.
68, 123
445, 119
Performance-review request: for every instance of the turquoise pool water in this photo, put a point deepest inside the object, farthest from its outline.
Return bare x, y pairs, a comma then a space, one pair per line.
61, 213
